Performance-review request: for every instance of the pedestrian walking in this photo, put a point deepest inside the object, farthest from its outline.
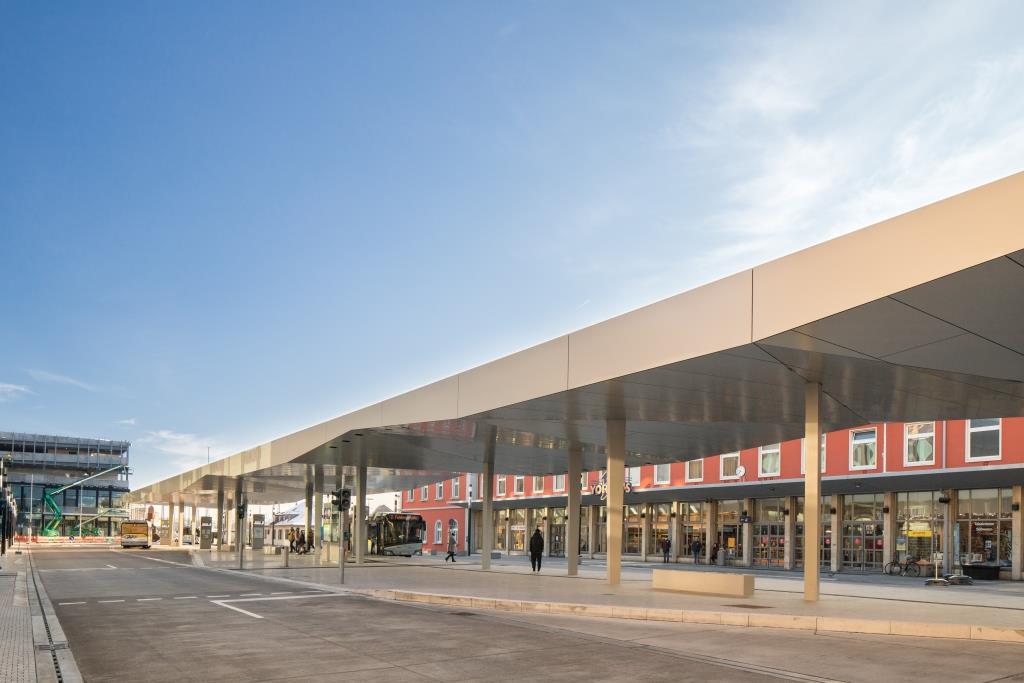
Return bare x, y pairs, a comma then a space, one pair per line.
291, 540
714, 554
666, 545
451, 548
696, 547
536, 549
302, 542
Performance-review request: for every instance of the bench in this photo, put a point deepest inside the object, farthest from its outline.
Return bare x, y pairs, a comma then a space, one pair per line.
705, 583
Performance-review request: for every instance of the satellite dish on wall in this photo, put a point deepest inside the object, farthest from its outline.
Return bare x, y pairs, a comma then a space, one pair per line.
740, 470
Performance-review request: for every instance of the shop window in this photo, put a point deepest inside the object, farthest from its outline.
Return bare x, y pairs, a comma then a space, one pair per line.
695, 470
456, 488
439, 490
985, 527
519, 485
501, 485
919, 443
438, 532
559, 482
538, 484
983, 439
730, 464
863, 449
769, 461
633, 476
662, 473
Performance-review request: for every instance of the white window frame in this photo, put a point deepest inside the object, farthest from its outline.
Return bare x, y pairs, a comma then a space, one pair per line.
559, 482
519, 486
500, 488
874, 439
438, 532
424, 492
906, 445
721, 466
773, 448
998, 427
456, 488
439, 491
411, 495
658, 479
686, 472
538, 489
803, 456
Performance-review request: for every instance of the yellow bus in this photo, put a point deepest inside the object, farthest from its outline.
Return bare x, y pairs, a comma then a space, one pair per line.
136, 534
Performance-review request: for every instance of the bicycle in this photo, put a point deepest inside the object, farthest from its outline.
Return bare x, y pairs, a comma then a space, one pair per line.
908, 567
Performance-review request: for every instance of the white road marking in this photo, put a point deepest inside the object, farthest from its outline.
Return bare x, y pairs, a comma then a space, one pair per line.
218, 596
224, 603
70, 603
147, 599
315, 590
186, 597
110, 601
246, 595
112, 566
282, 593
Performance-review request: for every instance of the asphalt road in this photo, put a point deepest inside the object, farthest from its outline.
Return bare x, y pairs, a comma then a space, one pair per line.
142, 616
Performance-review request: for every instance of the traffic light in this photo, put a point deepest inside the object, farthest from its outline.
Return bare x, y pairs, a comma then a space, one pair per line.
342, 499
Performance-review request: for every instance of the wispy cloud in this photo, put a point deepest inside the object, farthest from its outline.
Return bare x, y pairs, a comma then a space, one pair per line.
54, 378
10, 392
130, 422
186, 450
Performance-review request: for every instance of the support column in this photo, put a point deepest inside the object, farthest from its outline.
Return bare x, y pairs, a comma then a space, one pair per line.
318, 512
487, 502
241, 522
837, 533
1017, 537
748, 533
339, 484
220, 519
789, 537
359, 521
812, 489
888, 527
710, 530
592, 529
572, 511
181, 522
948, 522
675, 538
309, 508
645, 531
170, 524
616, 451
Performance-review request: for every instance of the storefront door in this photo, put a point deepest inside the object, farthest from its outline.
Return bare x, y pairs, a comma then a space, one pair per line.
862, 546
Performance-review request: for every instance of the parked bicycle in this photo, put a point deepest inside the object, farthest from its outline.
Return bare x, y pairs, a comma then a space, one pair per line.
909, 567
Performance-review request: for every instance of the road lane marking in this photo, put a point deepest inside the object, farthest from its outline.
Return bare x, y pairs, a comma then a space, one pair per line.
218, 596
246, 595
224, 603
315, 590
282, 593
110, 601
147, 599
112, 566
70, 603
186, 597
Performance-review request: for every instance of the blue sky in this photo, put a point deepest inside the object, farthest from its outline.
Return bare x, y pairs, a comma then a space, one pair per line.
223, 222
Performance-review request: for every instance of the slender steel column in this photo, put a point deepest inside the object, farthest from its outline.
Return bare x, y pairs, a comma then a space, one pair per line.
318, 511
359, 522
170, 523
616, 451
220, 519
1017, 560
181, 522
572, 487
308, 529
487, 502
812, 490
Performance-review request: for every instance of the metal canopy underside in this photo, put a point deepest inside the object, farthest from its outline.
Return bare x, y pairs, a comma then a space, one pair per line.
910, 319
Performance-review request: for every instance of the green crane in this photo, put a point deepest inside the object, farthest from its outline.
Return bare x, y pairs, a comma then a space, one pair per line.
53, 524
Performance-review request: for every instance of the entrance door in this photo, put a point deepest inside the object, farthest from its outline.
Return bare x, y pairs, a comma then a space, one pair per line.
556, 544
862, 546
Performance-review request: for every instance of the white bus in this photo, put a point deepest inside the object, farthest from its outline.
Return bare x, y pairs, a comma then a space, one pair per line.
136, 534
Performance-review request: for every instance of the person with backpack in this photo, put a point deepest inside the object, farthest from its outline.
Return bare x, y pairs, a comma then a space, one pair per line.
536, 549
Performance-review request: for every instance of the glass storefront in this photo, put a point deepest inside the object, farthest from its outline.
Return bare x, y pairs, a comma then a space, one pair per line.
634, 529
862, 534
730, 531
983, 528
585, 529
769, 530
499, 529
556, 532
661, 514
517, 530
601, 540
919, 517
693, 528
825, 553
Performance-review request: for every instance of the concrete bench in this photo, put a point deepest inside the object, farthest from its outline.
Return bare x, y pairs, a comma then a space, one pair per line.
706, 583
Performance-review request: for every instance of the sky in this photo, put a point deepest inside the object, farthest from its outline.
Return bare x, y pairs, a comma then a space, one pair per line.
223, 222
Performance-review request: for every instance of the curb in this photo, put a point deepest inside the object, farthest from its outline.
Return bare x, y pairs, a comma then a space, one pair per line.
784, 621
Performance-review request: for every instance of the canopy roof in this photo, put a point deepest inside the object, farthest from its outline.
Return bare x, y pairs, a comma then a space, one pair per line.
919, 317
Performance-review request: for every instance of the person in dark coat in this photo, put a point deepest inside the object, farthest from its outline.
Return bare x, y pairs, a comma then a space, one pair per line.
536, 550
666, 545
451, 548
696, 547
